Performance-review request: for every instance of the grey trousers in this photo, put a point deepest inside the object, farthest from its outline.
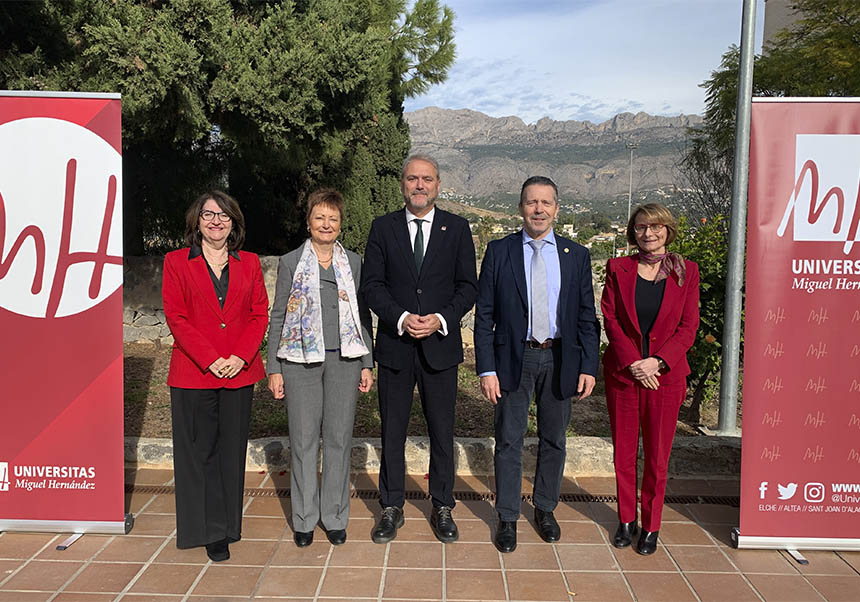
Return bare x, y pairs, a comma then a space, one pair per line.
321, 397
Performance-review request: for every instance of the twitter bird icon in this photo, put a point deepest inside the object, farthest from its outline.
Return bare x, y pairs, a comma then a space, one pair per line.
786, 492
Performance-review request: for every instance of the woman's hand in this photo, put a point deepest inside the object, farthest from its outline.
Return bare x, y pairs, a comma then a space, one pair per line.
648, 367
217, 366
649, 382
363, 385
276, 385
232, 366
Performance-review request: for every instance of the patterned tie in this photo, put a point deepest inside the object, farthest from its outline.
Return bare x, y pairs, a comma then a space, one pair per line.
540, 309
419, 244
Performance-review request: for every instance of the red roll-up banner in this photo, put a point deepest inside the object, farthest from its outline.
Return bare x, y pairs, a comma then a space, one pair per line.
61, 274
800, 470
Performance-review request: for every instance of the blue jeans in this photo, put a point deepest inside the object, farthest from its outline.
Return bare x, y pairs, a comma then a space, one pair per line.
540, 379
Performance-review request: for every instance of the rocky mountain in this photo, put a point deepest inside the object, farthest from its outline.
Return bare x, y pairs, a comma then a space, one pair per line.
489, 157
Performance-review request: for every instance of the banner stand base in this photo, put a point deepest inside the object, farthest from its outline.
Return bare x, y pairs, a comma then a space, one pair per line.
793, 544
123, 527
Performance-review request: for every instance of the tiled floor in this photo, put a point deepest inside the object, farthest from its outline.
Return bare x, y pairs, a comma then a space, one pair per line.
693, 561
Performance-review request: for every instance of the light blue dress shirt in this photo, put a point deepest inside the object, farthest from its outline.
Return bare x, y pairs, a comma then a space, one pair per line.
549, 252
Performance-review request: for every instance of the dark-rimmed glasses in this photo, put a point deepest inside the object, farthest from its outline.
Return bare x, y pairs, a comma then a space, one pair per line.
207, 216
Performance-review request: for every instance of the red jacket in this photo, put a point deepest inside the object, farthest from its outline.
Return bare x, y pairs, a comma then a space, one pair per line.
203, 331
673, 332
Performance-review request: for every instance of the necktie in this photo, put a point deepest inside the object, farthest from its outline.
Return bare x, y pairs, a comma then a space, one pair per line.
419, 244
540, 310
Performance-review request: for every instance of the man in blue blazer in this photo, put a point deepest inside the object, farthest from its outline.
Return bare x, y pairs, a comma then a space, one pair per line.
419, 278
536, 335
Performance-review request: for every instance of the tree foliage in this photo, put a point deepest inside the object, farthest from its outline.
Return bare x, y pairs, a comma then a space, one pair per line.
818, 56
268, 99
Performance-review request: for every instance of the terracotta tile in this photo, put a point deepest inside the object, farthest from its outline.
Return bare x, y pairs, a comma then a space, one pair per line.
83, 549
472, 556
603, 512
364, 480
474, 585
823, 562
677, 513
721, 534
361, 553
361, 509
255, 479
171, 553
289, 582
259, 599
415, 555
76, 597
360, 582
166, 579
418, 508
104, 577
852, 558
277, 479
413, 584
586, 557
784, 588
629, 560
598, 587
531, 556
474, 530
597, 485
837, 588
256, 553
228, 580
715, 513
161, 504
288, 554
150, 476
573, 511
43, 575
569, 485
711, 587
684, 533
760, 561
359, 529
659, 587
7, 567
154, 524
151, 598
23, 545
258, 527
546, 586
417, 482
479, 509
700, 558
471, 484
25, 596
581, 532
680, 486
268, 506
415, 529
134, 502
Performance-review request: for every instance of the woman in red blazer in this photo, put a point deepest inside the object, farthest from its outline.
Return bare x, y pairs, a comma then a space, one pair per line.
650, 309
216, 306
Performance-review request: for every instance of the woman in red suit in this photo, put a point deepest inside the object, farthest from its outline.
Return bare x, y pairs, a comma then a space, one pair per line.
216, 306
650, 309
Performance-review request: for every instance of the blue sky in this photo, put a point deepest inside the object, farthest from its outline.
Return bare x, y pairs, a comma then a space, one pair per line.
586, 59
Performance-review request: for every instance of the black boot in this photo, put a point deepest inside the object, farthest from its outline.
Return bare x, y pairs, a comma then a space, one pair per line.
647, 543
624, 534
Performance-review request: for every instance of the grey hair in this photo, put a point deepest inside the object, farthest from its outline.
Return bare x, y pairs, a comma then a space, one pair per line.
540, 181
419, 157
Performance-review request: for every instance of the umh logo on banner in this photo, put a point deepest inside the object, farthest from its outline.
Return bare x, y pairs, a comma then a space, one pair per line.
61, 273
800, 475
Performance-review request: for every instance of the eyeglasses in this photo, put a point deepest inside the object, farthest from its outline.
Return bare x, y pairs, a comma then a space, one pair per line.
207, 215
655, 228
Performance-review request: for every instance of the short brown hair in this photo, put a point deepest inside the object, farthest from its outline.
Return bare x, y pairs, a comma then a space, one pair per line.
655, 213
229, 206
325, 196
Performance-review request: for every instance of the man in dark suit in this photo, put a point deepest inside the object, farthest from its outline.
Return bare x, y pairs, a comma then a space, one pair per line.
536, 334
419, 279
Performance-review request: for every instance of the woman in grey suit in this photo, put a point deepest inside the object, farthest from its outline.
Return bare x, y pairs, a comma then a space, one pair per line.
319, 359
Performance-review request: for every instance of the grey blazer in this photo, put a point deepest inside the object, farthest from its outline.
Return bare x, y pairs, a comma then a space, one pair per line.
286, 270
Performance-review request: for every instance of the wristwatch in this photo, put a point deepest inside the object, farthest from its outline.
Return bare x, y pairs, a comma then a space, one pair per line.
663, 365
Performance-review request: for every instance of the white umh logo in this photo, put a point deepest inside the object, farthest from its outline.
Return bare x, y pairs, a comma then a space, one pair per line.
4, 476
824, 202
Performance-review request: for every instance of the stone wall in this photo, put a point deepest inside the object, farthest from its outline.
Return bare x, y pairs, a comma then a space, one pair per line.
143, 315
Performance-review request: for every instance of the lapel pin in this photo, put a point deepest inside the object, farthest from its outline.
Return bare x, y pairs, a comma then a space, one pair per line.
566, 250
444, 228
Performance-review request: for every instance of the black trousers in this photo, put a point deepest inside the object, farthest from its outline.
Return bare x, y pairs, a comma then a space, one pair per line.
210, 440
438, 391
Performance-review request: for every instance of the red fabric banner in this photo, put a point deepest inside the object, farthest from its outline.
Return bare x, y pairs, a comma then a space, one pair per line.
800, 475
61, 435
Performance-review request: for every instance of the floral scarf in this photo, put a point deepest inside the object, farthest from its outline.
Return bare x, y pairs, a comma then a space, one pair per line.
302, 336
669, 262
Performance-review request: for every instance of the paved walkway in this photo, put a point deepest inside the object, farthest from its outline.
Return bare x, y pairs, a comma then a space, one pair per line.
693, 561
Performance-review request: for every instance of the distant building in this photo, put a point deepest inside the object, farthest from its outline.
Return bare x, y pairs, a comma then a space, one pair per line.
778, 15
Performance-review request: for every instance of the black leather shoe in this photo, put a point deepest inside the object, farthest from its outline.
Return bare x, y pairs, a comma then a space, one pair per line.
218, 551
303, 538
624, 534
336, 537
506, 536
389, 522
647, 543
547, 526
443, 524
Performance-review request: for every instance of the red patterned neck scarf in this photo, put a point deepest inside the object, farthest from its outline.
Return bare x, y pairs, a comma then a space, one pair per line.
669, 262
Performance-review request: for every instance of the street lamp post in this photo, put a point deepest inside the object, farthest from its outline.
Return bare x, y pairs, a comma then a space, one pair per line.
632, 146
